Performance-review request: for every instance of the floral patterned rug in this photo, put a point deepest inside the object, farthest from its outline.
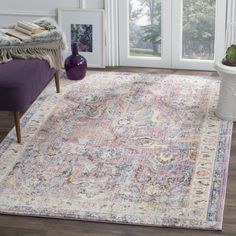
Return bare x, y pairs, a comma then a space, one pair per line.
128, 148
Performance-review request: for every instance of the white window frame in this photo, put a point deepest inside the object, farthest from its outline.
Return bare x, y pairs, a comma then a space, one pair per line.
177, 61
118, 49
125, 59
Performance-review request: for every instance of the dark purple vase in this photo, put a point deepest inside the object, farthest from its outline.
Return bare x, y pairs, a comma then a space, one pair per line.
75, 65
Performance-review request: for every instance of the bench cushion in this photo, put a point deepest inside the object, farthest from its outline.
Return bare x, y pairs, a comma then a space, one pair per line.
21, 81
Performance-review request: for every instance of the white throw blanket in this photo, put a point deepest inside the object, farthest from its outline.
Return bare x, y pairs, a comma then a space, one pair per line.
47, 45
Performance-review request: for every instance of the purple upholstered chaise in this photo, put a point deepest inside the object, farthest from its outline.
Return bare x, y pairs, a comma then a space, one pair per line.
21, 81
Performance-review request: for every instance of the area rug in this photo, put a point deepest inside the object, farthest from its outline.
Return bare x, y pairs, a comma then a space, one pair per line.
130, 148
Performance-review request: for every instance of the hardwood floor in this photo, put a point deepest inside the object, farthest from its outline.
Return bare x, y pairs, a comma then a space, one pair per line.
32, 226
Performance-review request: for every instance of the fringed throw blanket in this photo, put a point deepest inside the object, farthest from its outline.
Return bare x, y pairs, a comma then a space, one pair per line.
47, 45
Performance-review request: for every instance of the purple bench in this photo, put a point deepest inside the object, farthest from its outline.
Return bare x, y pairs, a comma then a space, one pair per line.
21, 81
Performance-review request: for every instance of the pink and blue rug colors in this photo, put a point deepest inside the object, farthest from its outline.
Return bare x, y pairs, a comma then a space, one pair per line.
129, 148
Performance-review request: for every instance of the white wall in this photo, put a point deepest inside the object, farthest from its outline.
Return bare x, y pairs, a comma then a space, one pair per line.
95, 4
13, 10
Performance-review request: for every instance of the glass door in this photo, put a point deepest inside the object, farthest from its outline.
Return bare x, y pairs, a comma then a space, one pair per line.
198, 33
183, 34
145, 33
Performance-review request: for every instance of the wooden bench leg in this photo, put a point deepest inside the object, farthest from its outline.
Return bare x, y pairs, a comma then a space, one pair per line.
17, 125
57, 81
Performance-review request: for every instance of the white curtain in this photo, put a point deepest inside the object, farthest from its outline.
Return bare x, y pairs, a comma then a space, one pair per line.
231, 23
82, 4
112, 34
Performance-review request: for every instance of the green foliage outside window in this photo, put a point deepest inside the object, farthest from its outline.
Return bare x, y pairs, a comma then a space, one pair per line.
198, 27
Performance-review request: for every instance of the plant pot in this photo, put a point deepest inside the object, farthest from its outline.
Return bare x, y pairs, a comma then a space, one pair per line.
75, 65
226, 108
227, 63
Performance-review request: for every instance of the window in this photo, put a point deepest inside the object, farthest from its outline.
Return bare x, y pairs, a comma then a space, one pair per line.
171, 33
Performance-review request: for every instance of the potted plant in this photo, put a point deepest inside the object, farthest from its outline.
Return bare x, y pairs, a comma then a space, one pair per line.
230, 58
226, 108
